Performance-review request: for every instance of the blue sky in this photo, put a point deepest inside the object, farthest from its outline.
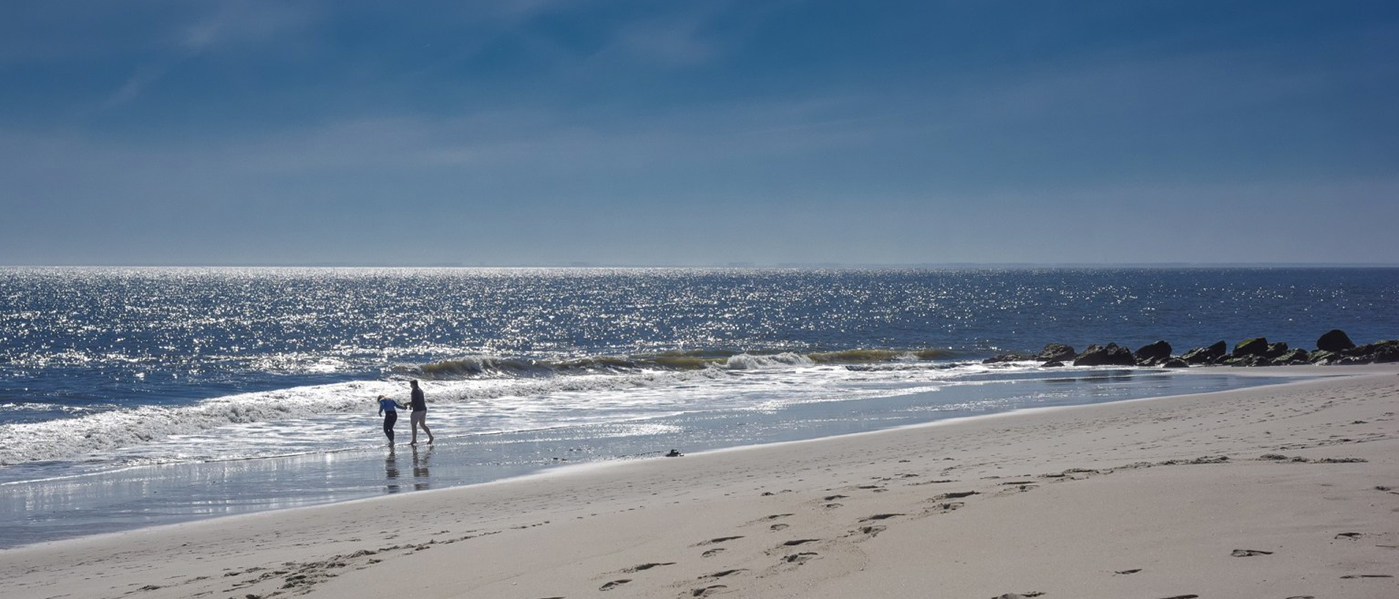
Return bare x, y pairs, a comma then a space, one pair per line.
522, 132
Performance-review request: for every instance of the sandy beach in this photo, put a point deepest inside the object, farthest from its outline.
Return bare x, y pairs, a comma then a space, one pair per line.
1282, 491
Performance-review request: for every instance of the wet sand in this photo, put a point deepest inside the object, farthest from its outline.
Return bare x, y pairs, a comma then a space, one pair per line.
1283, 491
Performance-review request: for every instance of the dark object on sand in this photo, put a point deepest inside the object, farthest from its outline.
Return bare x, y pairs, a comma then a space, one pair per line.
1109, 355
1175, 363
1335, 340
674, 454
1249, 552
1052, 364
1056, 352
1206, 355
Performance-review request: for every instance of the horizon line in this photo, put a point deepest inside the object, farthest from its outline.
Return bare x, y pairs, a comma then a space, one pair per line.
738, 265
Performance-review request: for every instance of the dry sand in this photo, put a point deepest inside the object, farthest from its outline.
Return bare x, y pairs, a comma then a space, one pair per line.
1283, 491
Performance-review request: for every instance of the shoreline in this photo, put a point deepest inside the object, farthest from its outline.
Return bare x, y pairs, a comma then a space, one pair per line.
135, 497
571, 531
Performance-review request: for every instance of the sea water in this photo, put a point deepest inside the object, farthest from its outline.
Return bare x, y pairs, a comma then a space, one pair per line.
131, 397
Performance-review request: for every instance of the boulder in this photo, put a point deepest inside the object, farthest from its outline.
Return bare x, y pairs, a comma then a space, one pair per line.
1388, 352
1293, 356
1155, 353
1175, 363
1324, 357
1206, 355
1109, 355
1249, 360
1052, 364
1010, 357
1056, 352
1371, 353
1274, 350
1334, 340
1251, 347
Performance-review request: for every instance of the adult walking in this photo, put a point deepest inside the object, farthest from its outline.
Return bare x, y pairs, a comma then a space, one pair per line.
388, 408
419, 416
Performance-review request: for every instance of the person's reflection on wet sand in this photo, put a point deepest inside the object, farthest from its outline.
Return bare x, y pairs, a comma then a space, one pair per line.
391, 471
420, 464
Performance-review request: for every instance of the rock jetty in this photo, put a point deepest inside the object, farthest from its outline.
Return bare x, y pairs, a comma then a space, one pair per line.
1333, 347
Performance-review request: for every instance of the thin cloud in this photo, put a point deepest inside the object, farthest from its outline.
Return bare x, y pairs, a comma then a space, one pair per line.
135, 85
231, 26
241, 23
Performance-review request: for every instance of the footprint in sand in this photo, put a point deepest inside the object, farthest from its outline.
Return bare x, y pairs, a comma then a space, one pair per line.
641, 567
879, 517
722, 574
1125, 572
707, 591
799, 558
796, 542
1249, 552
871, 531
614, 584
712, 552
718, 540
778, 527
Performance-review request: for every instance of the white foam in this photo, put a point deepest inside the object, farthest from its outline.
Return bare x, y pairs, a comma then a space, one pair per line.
333, 417
755, 362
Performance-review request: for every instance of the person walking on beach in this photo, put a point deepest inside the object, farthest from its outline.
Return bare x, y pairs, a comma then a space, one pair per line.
388, 408
419, 416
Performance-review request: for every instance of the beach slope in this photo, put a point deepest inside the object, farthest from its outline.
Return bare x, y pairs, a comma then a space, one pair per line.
1283, 491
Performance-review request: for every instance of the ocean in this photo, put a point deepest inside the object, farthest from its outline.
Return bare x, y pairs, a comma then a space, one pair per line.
138, 396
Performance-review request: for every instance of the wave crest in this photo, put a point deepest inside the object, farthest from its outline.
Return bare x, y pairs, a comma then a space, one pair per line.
471, 367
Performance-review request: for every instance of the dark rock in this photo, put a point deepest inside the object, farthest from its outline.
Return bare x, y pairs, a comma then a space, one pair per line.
1052, 364
1206, 355
1249, 360
1388, 353
1274, 350
1010, 357
1056, 351
1109, 355
1175, 363
1294, 356
1334, 340
1324, 357
1155, 353
1371, 353
1251, 347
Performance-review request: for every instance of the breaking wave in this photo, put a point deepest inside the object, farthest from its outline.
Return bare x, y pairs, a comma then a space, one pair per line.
470, 367
592, 382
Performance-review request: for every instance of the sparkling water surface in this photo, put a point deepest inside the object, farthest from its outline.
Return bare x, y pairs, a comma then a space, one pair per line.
138, 396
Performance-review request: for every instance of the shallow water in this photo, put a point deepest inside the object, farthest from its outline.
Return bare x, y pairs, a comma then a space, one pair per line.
107, 501
131, 396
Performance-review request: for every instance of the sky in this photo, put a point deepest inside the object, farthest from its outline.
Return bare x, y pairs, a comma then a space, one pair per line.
764, 132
